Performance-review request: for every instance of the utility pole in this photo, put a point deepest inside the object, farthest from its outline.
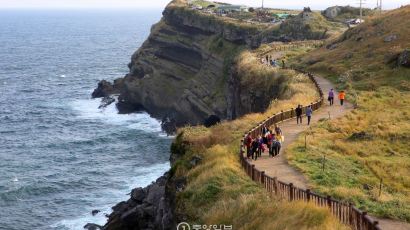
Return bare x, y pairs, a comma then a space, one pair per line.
361, 3
262, 4
361, 10
380, 6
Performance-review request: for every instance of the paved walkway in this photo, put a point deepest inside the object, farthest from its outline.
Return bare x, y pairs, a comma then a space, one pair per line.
279, 167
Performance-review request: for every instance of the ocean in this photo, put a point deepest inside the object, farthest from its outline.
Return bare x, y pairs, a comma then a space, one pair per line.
60, 156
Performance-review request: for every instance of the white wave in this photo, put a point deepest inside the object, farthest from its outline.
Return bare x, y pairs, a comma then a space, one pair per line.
88, 109
62, 76
146, 175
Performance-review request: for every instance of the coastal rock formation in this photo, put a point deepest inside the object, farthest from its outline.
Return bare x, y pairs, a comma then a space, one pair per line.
148, 208
184, 72
404, 58
180, 75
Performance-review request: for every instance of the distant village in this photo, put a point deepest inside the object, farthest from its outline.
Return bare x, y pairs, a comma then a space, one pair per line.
351, 15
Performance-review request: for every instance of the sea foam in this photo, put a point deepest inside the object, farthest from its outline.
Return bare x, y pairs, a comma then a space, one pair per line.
88, 109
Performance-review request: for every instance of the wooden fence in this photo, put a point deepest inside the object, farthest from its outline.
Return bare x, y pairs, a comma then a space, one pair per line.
346, 213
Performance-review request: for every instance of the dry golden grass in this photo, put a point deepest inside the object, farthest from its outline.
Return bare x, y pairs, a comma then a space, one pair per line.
361, 65
219, 191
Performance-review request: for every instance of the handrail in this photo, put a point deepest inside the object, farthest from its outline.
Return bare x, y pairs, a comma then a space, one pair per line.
346, 213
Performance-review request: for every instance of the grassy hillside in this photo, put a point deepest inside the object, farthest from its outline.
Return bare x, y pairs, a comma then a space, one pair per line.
218, 190
372, 143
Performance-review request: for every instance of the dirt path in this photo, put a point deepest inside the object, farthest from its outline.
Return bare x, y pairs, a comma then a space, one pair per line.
279, 167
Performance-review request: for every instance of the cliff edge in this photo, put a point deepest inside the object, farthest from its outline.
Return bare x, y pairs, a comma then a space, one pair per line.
185, 72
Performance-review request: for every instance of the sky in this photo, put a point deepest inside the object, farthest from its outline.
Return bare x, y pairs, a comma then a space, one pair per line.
290, 4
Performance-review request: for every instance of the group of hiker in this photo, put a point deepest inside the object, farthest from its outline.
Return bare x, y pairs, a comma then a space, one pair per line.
331, 96
270, 140
299, 113
272, 62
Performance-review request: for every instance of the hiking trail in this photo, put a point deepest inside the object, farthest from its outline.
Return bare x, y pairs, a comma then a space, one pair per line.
279, 167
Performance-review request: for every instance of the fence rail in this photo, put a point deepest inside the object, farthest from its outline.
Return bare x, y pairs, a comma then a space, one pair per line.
346, 213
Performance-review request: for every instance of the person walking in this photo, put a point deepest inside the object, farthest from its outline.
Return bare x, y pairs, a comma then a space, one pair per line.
255, 146
260, 147
309, 112
276, 146
264, 129
342, 97
283, 64
299, 114
278, 131
248, 143
331, 97
269, 144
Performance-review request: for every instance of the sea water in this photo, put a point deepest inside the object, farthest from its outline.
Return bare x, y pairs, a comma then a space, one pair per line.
60, 156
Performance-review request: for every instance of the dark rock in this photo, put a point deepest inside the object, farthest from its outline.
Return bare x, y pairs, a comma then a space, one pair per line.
212, 120
148, 208
120, 207
390, 38
391, 58
169, 125
348, 56
95, 212
106, 101
360, 136
195, 160
180, 184
332, 46
91, 226
138, 195
404, 59
125, 106
104, 89
358, 39
367, 187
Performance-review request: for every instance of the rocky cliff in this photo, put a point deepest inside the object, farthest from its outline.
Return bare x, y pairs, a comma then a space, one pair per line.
184, 73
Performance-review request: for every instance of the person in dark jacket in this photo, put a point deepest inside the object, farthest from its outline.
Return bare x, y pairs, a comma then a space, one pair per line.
276, 146
255, 147
299, 114
264, 129
331, 97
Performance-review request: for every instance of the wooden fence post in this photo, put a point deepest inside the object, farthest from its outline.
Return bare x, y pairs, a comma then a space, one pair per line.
308, 194
253, 172
291, 192
329, 201
263, 177
275, 185
363, 220
350, 214
375, 223
241, 151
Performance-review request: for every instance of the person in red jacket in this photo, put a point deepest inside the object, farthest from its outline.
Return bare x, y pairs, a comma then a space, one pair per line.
248, 144
342, 96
